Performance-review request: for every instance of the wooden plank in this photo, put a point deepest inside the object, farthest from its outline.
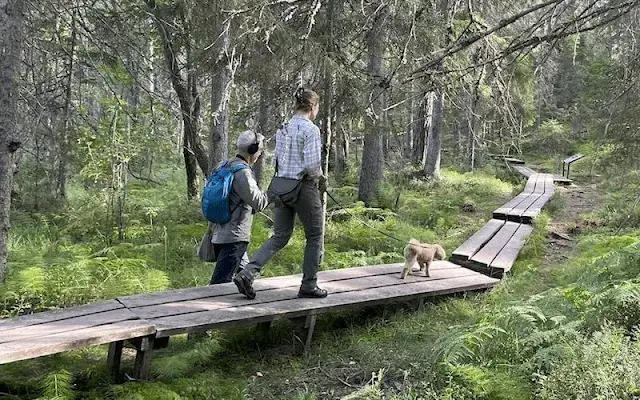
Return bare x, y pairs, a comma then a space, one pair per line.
548, 184
573, 158
57, 315
56, 343
535, 208
525, 171
287, 293
194, 322
514, 160
66, 325
507, 256
562, 180
259, 285
485, 256
476, 241
531, 183
503, 211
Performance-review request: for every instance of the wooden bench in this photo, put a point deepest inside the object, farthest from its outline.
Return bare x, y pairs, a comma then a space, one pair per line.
46, 333
147, 320
568, 161
494, 248
528, 204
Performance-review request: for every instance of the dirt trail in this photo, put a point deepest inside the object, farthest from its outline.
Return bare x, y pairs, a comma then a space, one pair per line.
580, 200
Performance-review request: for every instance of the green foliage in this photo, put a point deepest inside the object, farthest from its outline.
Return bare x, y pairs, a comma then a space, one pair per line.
58, 386
371, 391
553, 137
604, 366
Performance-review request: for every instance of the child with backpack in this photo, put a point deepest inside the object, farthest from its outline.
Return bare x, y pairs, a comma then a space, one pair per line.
229, 199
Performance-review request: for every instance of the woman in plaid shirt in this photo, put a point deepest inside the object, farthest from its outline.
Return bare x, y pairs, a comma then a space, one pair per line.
298, 156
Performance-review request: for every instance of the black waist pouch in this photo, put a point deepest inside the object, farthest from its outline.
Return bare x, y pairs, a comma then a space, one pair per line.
284, 190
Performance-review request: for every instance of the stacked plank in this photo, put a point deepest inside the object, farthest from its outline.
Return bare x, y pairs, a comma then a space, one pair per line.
494, 248
528, 204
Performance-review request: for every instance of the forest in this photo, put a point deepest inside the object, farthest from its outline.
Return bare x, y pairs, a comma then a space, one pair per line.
113, 114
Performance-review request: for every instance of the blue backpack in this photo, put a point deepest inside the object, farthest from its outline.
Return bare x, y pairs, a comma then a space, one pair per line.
215, 196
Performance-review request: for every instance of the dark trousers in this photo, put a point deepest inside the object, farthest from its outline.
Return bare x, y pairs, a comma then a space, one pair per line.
229, 257
309, 210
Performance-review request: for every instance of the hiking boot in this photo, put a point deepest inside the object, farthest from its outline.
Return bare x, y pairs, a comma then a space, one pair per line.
245, 286
315, 293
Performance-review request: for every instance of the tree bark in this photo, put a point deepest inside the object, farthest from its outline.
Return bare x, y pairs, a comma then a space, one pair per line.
11, 39
263, 127
219, 136
371, 171
434, 141
187, 91
65, 146
340, 166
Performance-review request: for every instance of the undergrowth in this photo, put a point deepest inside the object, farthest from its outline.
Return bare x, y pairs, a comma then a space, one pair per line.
566, 332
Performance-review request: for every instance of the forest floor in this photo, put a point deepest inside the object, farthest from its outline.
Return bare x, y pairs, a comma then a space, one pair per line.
578, 201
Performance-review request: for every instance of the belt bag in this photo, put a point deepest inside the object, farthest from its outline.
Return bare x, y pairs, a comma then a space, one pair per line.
285, 190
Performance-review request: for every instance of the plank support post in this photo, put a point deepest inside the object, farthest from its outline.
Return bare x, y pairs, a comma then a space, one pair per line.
143, 357
262, 330
114, 358
309, 326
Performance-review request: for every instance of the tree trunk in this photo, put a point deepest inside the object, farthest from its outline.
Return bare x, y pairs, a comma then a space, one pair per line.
263, 122
11, 38
191, 168
409, 131
61, 188
422, 125
187, 92
434, 142
432, 162
340, 154
219, 137
372, 157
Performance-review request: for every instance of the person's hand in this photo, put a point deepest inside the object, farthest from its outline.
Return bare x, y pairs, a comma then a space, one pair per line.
322, 183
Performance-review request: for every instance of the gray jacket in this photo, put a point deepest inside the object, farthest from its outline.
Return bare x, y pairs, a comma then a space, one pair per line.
245, 197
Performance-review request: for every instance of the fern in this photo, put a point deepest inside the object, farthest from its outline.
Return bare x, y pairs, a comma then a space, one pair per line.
58, 386
462, 344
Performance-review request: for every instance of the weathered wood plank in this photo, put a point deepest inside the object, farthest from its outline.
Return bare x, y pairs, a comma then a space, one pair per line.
485, 256
525, 171
573, 158
531, 184
504, 210
476, 241
275, 295
259, 285
194, 322
514, 160
509, 253
57, 315
66, 325
56, 343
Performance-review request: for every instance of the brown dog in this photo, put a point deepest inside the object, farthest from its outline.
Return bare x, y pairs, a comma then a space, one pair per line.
422, 253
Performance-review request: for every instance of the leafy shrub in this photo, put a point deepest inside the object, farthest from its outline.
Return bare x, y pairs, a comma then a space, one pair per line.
604, 366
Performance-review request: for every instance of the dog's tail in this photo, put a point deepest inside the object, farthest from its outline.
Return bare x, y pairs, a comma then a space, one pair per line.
440, 254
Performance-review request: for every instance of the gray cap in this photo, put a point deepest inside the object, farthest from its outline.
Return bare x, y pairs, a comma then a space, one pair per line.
247, 138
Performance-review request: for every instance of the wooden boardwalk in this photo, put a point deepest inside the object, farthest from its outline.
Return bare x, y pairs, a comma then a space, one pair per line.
144, 320
528, 204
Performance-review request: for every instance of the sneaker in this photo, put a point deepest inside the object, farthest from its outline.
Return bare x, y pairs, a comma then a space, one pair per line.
244, 286
316, 293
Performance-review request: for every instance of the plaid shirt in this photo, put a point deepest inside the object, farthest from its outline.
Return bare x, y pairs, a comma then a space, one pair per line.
298, 149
